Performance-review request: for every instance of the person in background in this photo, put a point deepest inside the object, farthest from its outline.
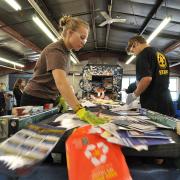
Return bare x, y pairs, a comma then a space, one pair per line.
152, 74
18, 90
9, 103
2, 100
50, 73
100, 92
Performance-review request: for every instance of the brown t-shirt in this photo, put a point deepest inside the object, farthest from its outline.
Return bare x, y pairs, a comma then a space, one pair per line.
42, 84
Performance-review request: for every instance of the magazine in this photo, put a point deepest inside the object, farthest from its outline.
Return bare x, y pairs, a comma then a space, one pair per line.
134, 123
131, 141
29, 146
151, 134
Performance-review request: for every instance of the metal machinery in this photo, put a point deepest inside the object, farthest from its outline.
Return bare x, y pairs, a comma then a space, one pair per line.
101, 75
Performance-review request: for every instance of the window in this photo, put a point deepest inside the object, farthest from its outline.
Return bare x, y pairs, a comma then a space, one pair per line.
126, 80
132, 79
173, 87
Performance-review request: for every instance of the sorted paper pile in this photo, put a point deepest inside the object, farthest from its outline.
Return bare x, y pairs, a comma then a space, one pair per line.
112, 133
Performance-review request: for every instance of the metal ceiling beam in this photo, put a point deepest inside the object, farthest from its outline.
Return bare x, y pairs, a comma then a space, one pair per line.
93, 22
81, 14
102, 49
108, 25
18, 37
43, 16
5, 71
143, 16
48, 13
90, 54
125, 29
172, 47
8, 69
175, 70
124, 13
135, 31
173, 60
150, 15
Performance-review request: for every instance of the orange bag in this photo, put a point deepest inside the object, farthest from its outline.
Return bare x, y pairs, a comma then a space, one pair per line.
91, 157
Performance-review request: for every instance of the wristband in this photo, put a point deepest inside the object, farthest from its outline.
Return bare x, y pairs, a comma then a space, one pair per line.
78, 108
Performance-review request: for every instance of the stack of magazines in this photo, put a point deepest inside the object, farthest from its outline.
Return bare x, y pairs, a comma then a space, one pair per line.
133, 137
29, 146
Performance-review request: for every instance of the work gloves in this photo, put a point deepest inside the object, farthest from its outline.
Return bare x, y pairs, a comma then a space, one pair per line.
130, 98
62, 104
90, 117
82, 113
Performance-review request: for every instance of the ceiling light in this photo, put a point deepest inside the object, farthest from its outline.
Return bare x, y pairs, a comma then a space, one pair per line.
153, 34
49, 24
158, 29
74, 60
130, 59
175, 64
34, 56
43, 16
11, 62
13, 4
43, 27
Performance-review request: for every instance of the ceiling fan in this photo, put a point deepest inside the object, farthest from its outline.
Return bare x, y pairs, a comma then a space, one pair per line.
110, 20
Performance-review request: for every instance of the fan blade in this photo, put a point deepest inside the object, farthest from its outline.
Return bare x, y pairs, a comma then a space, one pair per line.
103, 23
118, 20
105, 15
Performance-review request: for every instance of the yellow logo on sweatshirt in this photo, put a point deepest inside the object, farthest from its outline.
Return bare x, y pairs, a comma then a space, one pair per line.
162, 62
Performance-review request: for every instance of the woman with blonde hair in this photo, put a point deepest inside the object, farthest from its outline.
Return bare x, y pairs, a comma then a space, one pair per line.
18, 90
50, 73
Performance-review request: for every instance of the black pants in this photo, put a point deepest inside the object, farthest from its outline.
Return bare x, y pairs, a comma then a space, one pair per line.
28, 100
